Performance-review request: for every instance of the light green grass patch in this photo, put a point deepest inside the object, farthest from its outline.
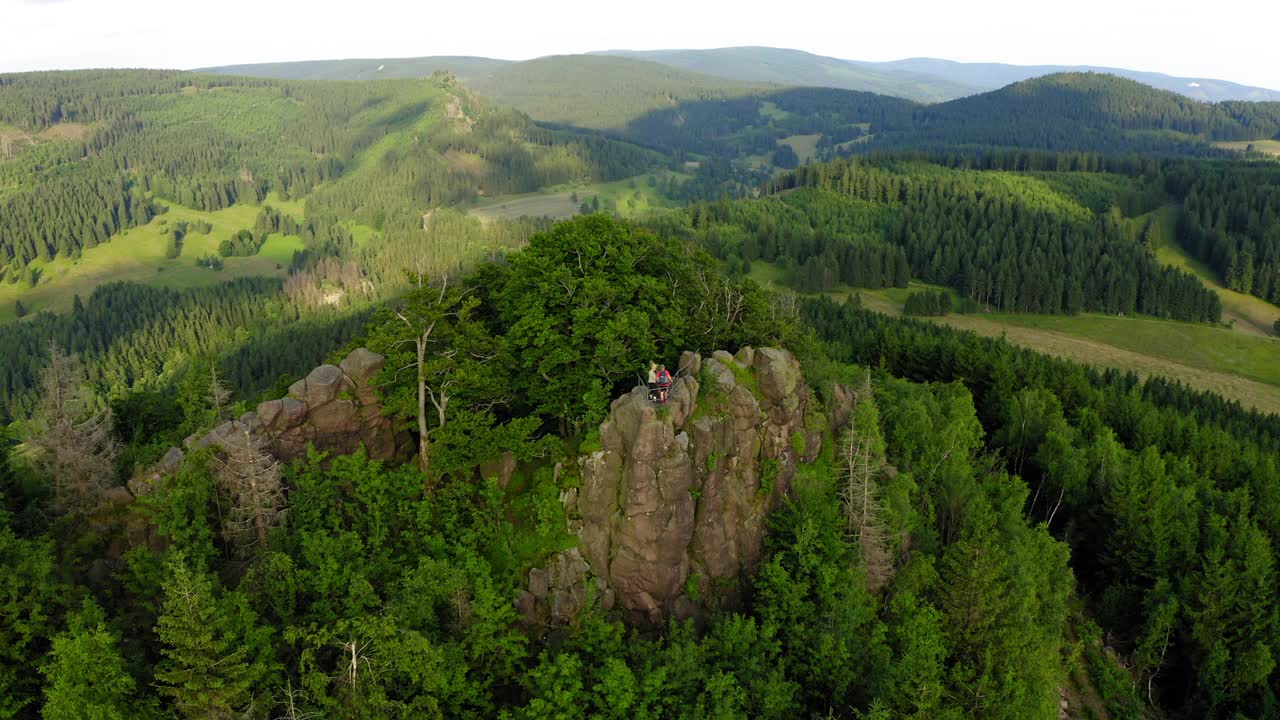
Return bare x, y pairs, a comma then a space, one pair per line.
772, 111
628, 197
554, 205
806, 146
294, 207
1234, 364
279, 248
1246, 313
137, 255
1269, 147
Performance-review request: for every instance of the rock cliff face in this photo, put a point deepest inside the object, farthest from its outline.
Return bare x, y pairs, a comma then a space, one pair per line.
674, 507
334, 408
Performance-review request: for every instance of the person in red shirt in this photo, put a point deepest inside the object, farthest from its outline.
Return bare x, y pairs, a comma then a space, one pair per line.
664, 383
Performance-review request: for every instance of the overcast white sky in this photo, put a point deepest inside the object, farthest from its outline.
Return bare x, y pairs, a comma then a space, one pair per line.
1230, 39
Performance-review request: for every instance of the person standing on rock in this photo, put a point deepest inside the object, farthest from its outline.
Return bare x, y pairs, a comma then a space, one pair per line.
664, 383
652, 379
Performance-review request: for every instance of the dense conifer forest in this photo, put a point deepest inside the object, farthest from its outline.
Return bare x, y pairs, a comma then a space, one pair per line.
987, 532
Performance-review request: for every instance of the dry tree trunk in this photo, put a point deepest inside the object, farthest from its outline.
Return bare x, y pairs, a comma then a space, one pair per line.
863, 509
74, 445
250, 476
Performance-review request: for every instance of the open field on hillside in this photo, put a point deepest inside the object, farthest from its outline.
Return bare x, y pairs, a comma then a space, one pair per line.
138, 255
1237, 365
1270, 147
806, 146
1246, 313
554, 205
629, 197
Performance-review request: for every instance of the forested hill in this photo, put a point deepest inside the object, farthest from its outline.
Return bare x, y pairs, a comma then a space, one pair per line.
1086, 111
208, 142
463, 67
990, 76
587, 91
796, 67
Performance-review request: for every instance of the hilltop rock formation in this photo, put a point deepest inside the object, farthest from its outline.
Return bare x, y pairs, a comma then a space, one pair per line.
334, 408
673, 509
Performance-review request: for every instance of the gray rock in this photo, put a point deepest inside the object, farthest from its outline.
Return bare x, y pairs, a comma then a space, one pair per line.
690, 364
538, 584
362, 365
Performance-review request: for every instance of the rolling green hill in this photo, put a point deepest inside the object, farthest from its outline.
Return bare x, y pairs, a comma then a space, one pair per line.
600, 92
364, 69
1086, 112
990, 76
586, 91
85, 177
796, 67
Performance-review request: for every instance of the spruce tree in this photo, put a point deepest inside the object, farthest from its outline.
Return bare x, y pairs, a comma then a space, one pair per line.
85, 673
203, 671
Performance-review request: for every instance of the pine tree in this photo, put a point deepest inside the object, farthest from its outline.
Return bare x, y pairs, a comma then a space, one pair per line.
74, 444
203, 671
19, 310
85, 673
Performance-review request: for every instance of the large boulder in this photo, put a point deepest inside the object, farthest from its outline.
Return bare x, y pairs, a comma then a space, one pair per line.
334, 408
673, 509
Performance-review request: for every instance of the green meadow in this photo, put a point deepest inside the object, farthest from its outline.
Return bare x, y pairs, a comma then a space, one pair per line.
138, 255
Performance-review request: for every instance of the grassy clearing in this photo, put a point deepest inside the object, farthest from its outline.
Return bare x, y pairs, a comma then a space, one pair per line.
1245, 313
137, 255
806, 146
1270, 147
1234, 364
772, 111
629, 197
554, 205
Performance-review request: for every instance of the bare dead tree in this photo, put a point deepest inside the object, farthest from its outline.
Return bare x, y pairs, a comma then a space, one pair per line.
73, 443
288, 701
250, 476
862, 455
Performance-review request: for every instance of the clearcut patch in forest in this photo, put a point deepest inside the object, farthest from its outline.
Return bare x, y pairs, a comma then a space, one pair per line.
1246, 313
1268, 147
806, 146
138, 255
1239, 366
628, 197
554, 205
1235, 365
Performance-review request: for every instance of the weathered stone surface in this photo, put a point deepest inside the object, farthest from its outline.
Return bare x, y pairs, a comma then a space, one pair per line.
144, 484
362, 365
557, 594
680, 495
843, 398
690, 363
334, 408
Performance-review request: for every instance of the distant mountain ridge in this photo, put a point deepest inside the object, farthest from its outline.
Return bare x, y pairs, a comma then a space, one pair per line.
928, 80
991, 76
796, 67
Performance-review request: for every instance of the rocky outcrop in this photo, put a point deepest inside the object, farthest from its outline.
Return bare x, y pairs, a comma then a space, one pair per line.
673, 509
334, 408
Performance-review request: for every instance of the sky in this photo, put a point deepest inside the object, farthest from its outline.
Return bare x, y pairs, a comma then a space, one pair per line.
1229, 39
